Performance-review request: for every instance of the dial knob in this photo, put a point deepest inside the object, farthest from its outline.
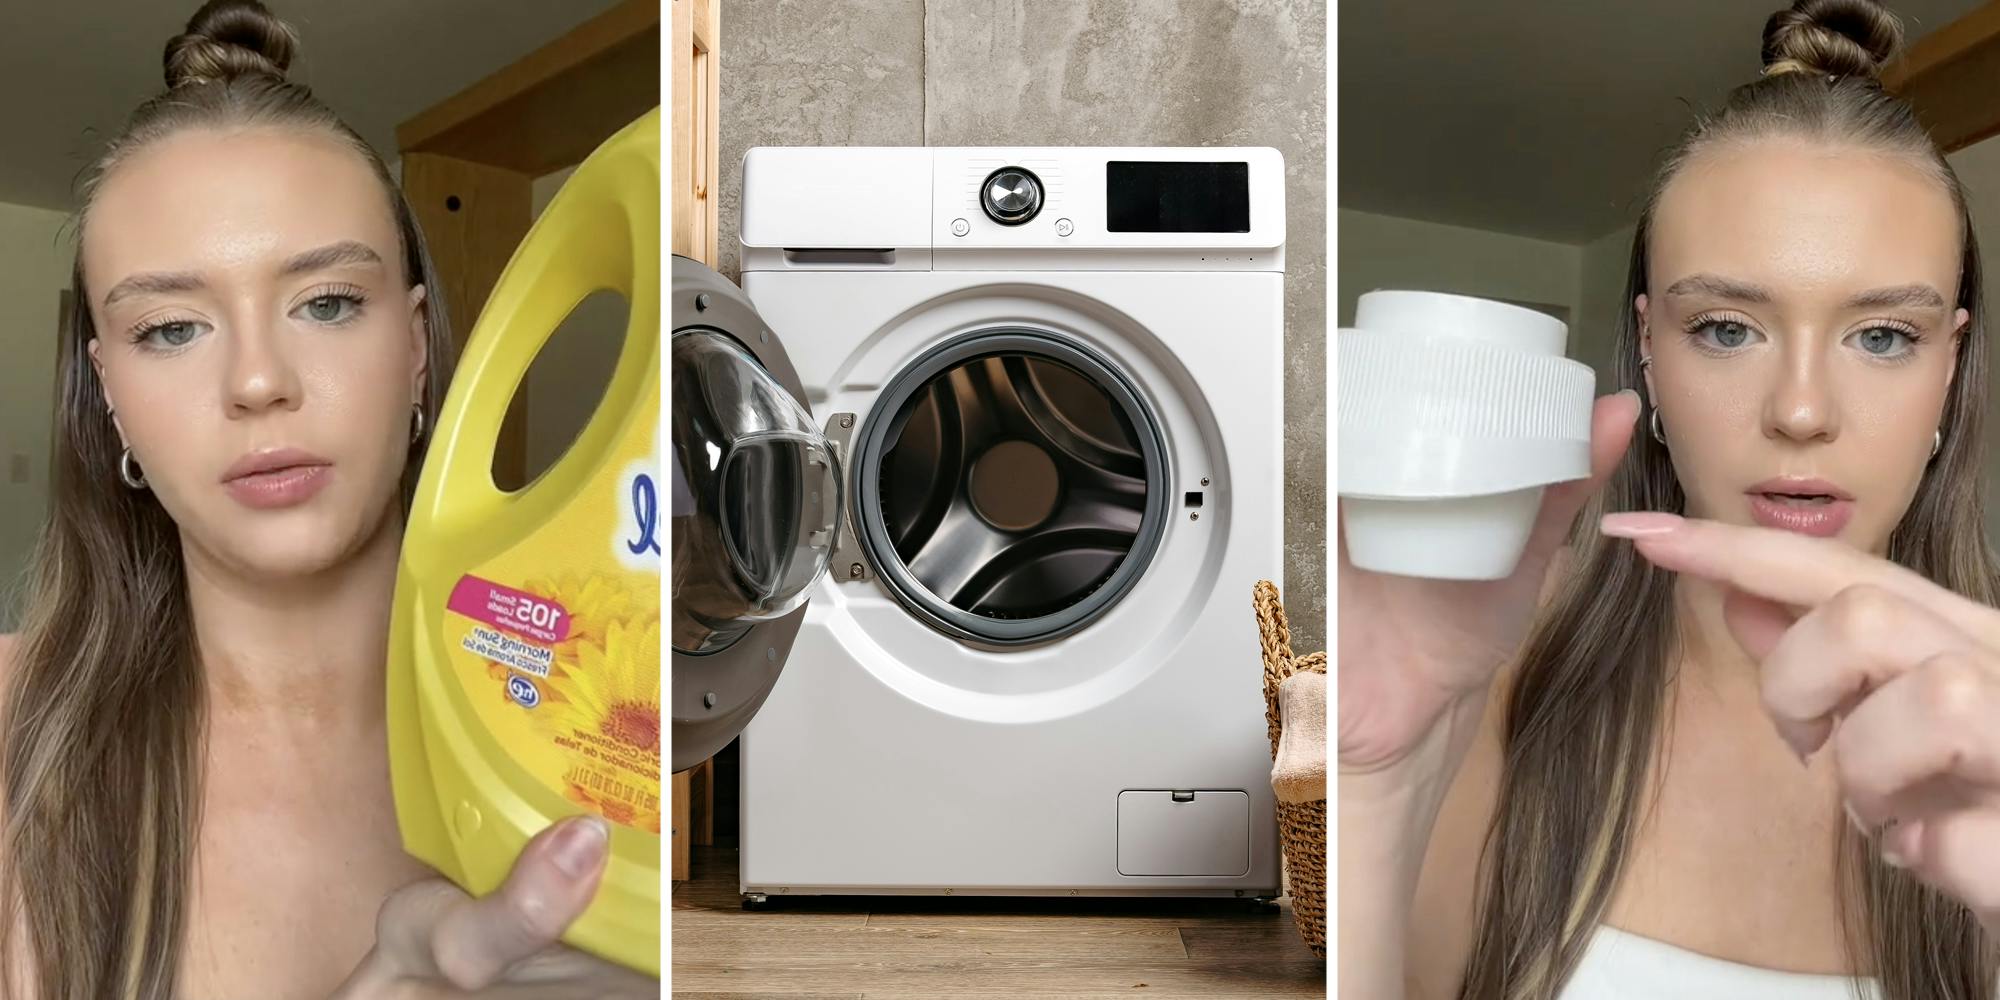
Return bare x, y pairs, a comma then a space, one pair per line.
1011, 195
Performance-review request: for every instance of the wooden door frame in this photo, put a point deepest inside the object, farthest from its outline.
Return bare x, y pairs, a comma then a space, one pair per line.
696, 99
696, 200
470, 161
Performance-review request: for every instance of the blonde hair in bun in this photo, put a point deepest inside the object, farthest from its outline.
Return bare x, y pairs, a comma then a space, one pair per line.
227, 39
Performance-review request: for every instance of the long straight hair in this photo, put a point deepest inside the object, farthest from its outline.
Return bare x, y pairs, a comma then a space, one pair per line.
104, 705
1587, 709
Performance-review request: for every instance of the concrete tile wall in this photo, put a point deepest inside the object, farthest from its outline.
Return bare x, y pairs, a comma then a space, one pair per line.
815, 73
1070, 72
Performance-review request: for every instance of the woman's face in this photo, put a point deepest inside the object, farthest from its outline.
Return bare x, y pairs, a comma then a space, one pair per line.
1802, 333
257, 341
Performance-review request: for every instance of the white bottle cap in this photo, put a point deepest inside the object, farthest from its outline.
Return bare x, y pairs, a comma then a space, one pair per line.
1455, 412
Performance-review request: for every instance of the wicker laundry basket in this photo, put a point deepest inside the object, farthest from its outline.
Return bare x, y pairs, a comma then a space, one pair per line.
1301, 825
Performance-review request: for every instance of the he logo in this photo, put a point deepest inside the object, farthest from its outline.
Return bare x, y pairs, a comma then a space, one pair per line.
523, 691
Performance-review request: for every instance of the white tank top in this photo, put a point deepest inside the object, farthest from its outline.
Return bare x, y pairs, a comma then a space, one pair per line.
1617, 965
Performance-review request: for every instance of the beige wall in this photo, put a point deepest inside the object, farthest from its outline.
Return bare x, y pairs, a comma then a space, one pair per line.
1605, 261
34, 269
1386, 252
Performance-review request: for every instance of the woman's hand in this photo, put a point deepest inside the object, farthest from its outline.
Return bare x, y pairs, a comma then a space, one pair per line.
1899, 676
433, 940
1412, 648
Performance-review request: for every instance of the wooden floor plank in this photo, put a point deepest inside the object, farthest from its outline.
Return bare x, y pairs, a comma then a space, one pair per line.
904, 947
907, 977
1281, 941
686, 995
927, 944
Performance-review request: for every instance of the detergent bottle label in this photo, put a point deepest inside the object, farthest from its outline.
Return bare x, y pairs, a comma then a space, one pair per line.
564, 667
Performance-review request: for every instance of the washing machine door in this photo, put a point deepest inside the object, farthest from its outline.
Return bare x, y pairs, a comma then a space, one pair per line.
756, 497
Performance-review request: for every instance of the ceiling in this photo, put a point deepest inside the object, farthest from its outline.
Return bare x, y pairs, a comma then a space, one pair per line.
74, 70
1539, 118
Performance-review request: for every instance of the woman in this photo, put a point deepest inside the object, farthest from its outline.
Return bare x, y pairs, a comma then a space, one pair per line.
1621, 809
196, 781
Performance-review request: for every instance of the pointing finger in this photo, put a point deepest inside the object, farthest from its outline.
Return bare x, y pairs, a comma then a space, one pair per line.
1787, 567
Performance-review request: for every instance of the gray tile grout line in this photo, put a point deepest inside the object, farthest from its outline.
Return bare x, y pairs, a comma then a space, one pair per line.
924, 75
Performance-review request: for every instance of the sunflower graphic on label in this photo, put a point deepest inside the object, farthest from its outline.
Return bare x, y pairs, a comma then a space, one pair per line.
559, 642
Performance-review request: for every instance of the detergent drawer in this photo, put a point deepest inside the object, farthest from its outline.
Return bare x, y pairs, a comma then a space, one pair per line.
1198, 832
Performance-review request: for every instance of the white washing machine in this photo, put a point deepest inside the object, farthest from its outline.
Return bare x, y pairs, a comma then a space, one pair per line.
1052, 383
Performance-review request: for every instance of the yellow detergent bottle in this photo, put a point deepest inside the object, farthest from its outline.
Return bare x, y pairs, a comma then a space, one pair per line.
524, 667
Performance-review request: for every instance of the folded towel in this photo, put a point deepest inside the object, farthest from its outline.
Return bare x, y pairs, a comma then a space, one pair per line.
1299, 772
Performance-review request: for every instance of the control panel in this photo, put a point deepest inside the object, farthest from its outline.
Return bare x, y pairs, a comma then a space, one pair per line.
1205, 208
1108, 197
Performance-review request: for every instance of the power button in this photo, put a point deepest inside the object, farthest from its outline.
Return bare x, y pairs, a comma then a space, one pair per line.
959, 227
1064, 227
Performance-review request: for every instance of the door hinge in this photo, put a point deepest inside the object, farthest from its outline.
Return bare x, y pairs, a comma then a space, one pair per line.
848, 563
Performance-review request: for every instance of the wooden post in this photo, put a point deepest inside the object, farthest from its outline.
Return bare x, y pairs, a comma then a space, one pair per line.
696, 203
473, 215
696, 154
701, 804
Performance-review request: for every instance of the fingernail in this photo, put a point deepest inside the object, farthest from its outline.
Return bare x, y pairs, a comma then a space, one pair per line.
1634, 393
579, 847
1855, 818
1893, 858
1639, 524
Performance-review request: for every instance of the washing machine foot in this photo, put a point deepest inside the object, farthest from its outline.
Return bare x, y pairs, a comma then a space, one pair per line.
756, 901
1264, 902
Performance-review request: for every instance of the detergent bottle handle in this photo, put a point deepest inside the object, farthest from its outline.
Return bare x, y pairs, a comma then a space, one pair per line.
601, 232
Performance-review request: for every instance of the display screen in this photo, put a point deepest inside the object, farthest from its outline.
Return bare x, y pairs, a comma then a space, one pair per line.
1179, 197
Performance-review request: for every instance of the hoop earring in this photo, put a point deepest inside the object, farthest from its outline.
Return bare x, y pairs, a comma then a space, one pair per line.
417, 431
1654, 420
1937, 442
129, 471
